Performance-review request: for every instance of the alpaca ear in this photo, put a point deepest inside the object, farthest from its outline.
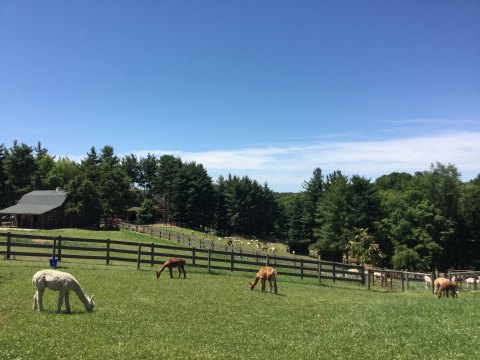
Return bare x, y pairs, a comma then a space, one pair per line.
91, 298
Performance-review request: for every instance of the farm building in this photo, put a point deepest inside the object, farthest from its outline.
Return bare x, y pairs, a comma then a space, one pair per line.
38, 209
132, 213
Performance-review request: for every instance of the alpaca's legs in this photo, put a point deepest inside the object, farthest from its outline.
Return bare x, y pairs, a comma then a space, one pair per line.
35, 300
171, 273
39, 295
270, 287
263, 285
275, 285
61, 294
67, 301
181, 270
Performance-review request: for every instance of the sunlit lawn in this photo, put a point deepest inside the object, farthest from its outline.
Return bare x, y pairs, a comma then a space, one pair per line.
217, 317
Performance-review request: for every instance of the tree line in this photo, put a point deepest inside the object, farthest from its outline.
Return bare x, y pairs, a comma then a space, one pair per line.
423, 221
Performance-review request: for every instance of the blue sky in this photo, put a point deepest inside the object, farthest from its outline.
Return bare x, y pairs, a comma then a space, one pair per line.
268, 89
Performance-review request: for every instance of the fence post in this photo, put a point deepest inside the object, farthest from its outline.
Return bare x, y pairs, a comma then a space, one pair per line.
54, 247
9, 244
59, 248
268, 261
432, 276
152, 255
193, 256
401, 278
231, 260
362, 276
368, 278
301, 269
319, 271
138, 256
108, 252
209, 259
333, 271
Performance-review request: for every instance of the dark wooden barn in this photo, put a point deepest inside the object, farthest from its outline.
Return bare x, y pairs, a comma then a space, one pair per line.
43, 209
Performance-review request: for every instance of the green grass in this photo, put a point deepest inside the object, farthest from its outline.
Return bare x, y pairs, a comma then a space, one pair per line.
140, 237
217, 317
122, 235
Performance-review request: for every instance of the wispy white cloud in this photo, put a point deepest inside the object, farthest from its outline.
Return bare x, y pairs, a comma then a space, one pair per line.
286, 168
433, 121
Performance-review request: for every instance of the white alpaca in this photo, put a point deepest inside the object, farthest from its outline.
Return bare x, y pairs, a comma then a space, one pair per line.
62, 282
428, 281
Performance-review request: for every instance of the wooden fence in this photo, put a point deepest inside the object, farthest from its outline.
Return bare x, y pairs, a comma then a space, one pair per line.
397, 280
461, 276
193, 239
108, 251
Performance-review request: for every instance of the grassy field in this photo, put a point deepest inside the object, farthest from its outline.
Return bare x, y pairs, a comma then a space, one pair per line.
281, 249
24, 236
122, 235
217, 317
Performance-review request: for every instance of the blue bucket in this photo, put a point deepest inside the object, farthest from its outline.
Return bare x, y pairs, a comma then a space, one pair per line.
53, 262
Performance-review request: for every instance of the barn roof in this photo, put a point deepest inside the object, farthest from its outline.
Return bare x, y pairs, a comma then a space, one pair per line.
37, 202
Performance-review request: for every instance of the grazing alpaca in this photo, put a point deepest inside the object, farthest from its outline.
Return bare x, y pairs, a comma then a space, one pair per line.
62, 282
447, 287
170, 264
471, 282
428, 281
265, 274
439, 281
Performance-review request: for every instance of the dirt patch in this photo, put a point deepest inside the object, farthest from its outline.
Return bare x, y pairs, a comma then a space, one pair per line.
41, 241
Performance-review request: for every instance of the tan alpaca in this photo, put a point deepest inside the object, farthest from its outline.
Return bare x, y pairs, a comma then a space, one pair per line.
170, 264
439, 281
265, 274
446, 288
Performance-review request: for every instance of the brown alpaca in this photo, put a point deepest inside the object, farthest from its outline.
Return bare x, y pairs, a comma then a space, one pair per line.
447, 287
170, 264
439, 281
265, 274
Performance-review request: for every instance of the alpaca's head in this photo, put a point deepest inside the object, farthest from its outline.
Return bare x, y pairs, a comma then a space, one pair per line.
251, 285
90, 305
158, 273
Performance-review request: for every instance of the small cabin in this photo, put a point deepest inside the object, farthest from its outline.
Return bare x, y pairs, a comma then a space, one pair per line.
39, 209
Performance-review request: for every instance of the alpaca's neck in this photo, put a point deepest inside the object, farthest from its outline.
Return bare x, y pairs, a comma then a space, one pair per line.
162, 268
81, 295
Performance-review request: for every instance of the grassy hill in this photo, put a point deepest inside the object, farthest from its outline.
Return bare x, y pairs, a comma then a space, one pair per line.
217, 317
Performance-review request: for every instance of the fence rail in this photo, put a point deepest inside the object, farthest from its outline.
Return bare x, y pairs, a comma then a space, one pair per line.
107, 251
